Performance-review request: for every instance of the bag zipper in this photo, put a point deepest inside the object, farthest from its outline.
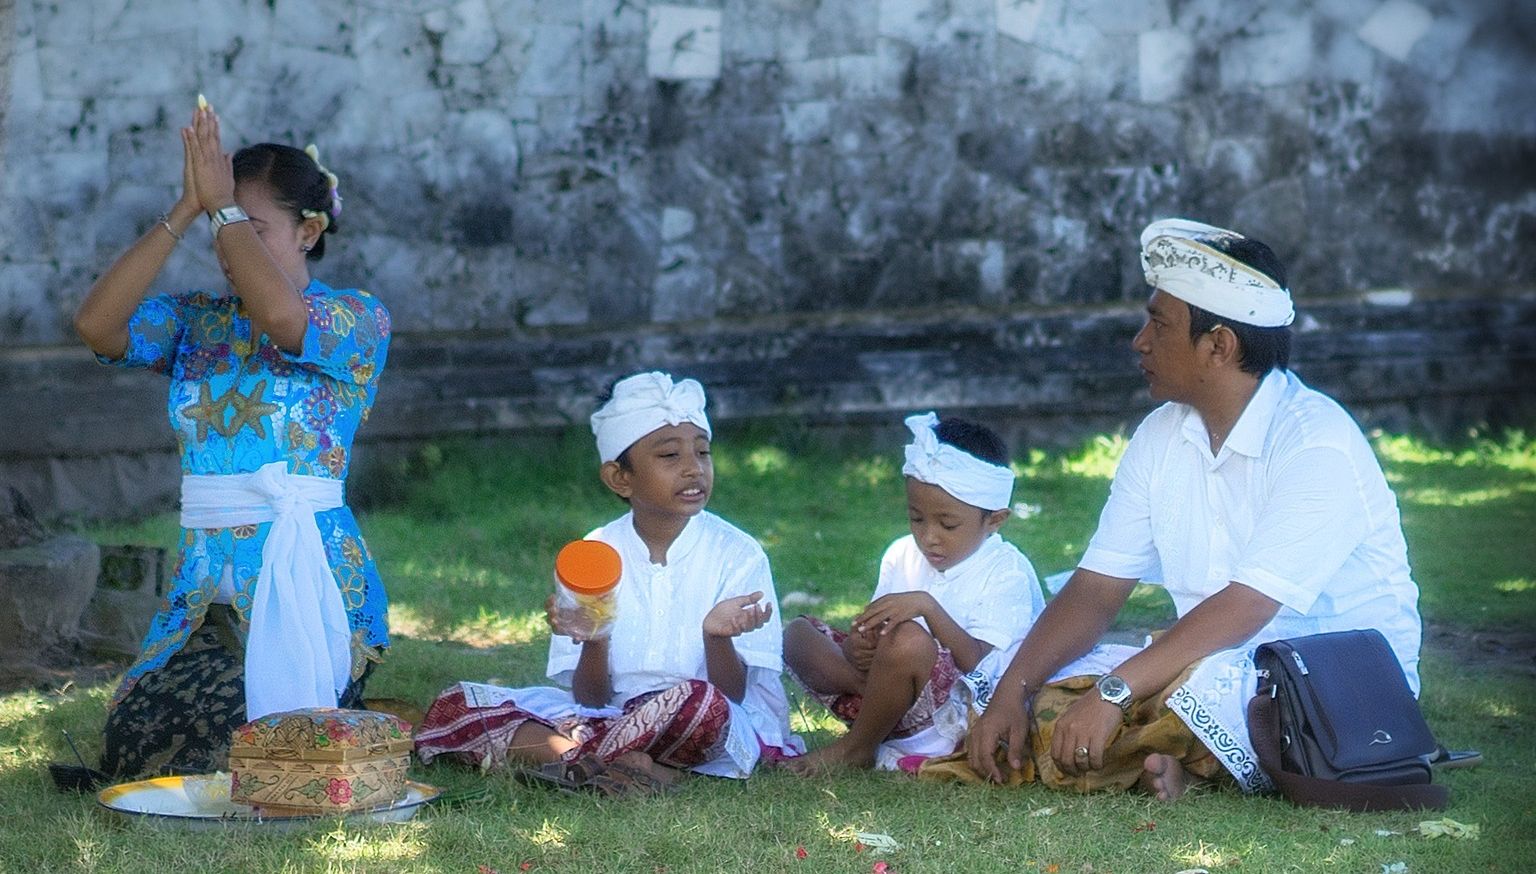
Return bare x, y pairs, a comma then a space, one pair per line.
1300, 665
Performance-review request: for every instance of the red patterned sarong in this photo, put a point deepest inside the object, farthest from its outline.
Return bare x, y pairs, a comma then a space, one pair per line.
846, 705
681, 727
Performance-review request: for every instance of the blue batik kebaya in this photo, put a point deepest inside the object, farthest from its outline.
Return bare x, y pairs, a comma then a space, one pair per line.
236, 406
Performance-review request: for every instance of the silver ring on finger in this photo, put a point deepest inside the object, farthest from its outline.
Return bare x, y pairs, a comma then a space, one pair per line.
1082, 752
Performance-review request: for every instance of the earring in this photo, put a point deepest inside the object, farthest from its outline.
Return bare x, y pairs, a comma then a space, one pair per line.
305, 248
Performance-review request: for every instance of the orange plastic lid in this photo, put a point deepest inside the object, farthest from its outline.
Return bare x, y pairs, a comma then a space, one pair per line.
590, 567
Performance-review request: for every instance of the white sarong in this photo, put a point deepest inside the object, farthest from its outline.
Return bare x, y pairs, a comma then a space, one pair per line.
299, 650
1213, 702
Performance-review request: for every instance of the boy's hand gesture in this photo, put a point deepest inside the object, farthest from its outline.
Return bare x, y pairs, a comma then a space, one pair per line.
737, 616
859, 649
888, 611
567, 622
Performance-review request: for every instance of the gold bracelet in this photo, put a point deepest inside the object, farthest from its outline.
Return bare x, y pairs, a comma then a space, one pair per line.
165, 222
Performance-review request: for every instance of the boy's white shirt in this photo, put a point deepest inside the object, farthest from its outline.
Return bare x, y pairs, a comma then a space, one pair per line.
658, 638
993, 594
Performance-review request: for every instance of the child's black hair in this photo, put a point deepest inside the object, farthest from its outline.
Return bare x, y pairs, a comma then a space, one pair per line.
972, 439
603, 397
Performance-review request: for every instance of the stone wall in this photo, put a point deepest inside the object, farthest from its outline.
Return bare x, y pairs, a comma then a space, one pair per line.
532, 176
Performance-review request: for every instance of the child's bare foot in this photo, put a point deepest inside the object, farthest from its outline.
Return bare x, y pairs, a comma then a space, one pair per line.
644, 763
1164, 776
838, 756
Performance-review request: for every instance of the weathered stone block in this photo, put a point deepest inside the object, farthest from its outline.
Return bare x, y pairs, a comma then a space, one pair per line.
1395, 27
1019, 19
114, 623
843, 27
554, 62
683, 42
1277, 57
1116, 16
134, 568
1163, 62
116, 68
43, 590
464, 32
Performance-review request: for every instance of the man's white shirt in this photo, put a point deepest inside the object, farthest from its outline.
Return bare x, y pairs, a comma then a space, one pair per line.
1294, 506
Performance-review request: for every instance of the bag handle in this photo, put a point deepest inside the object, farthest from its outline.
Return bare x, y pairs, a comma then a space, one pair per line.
1264, 732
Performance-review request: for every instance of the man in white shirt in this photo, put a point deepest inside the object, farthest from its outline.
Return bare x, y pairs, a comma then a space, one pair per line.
1254, 500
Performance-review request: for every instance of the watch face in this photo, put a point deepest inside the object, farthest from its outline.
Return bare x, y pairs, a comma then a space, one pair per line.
1113, 689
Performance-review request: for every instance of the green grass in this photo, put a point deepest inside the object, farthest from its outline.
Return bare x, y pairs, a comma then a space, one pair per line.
466, 553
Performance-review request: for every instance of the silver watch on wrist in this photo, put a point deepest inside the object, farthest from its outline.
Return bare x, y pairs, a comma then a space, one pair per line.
226, 216
1116, 691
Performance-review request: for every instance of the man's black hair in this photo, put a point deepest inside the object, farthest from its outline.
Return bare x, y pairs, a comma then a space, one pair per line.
972, 439
1260, 350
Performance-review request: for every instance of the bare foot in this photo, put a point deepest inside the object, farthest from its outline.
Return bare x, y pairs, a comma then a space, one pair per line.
643, 762
835, 757
1164, 777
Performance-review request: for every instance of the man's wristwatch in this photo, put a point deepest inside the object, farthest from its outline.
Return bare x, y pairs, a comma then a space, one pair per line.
226, 216
1115, 691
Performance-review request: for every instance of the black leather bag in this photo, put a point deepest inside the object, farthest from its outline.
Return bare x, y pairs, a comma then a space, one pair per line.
1335, 724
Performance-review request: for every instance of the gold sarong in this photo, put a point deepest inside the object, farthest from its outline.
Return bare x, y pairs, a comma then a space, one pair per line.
1150, 727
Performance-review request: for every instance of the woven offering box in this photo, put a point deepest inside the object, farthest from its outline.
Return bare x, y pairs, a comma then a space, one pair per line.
319, 761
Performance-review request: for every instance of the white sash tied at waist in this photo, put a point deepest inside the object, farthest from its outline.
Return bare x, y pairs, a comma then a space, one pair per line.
299, 651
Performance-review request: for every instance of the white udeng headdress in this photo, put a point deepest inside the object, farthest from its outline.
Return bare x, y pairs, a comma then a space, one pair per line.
641, 404
1175, 259
976, 482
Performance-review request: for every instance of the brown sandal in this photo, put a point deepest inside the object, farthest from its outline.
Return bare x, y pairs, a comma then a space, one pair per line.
589, 774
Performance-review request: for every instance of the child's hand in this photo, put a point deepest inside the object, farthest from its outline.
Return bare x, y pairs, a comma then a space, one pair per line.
888, 611
859, 649
566, 622
736, 616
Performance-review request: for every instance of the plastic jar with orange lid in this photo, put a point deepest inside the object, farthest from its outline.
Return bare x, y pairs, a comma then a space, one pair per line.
587, 573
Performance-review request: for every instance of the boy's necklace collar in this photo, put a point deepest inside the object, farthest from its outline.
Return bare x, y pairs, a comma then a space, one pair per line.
681, 544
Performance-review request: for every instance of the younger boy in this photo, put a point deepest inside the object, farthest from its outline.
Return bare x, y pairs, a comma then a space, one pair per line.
948, 594
688, 678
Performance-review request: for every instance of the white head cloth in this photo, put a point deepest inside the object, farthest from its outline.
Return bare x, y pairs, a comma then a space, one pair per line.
1176, 259
966, 477
299, 649
641, 404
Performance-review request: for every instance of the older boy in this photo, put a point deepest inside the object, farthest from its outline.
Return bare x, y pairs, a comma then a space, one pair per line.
689, 676
948, 594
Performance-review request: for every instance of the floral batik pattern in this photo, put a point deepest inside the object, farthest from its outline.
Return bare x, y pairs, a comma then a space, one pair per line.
238, 402
682, 726
847, 706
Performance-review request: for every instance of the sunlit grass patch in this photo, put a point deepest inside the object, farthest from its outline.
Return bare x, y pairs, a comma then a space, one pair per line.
764, 460
867, 472
1437, 496
1098, 459
1511, 587
350, 844
488, 628
1512, 451
549, 835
